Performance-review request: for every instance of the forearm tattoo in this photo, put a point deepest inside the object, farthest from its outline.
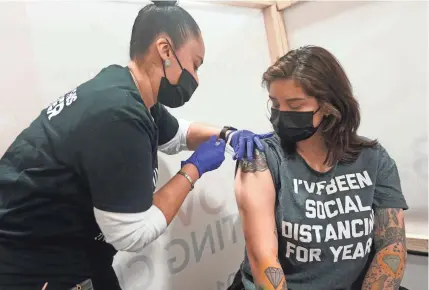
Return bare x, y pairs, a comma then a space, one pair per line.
259, 163
276, 278
388, 266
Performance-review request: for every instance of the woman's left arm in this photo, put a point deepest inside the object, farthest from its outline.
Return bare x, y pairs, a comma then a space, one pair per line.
183, 135
199, 133
178, 135
388, 266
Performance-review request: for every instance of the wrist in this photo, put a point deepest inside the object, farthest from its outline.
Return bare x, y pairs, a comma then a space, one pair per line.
228, 135
192, 171
225, 131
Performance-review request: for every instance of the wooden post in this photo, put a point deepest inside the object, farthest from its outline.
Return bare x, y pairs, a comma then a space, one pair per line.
281, 5
276, 32
248, 4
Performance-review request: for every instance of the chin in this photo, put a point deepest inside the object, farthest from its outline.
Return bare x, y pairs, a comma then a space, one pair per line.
288, 147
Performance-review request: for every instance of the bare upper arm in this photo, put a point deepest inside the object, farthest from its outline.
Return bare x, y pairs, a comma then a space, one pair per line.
255, 194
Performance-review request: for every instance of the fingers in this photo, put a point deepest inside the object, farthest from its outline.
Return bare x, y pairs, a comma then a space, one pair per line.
244, 148
213, 139
258, 143
222, 144
249, 147
241, 148
267, 135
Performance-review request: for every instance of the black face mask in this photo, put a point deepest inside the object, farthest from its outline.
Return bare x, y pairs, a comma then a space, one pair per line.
175, 96
292, 126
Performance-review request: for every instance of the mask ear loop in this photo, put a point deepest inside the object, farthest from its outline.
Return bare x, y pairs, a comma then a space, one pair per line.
316, 111
321, 121
178, 61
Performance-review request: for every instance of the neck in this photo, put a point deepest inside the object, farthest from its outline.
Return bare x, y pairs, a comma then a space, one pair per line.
314, 151
143, 84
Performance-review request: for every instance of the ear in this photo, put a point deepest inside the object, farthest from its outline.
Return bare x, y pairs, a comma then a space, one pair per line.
163, 48
325, 110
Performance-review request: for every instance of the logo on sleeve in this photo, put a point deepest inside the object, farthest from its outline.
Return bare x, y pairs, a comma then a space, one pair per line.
100, 237
155, 178
64, 101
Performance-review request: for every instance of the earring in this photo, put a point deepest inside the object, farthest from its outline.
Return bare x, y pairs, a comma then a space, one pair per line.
167, 62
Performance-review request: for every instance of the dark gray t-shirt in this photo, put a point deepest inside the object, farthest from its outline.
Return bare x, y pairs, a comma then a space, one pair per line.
325, 221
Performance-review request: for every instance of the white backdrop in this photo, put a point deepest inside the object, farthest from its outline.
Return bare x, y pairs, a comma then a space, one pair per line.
383, 46
49, 47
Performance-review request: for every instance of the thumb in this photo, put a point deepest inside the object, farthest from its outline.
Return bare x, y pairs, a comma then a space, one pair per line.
213, 139
222, 144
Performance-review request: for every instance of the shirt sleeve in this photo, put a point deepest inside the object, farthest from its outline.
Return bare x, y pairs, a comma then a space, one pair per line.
168, 125
388, 192
117, 162
273, 161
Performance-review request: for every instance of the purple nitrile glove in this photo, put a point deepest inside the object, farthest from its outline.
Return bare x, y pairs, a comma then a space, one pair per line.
208, 156
243, 142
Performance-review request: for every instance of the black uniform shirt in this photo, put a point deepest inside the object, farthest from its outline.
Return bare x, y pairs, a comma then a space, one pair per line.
94, 147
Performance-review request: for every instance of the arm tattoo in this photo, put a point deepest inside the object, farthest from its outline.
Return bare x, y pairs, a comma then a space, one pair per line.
276, 278
259, 163
388, 231
387, 268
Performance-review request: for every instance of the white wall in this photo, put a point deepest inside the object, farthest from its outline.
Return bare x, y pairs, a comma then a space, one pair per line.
383, 46
48, 48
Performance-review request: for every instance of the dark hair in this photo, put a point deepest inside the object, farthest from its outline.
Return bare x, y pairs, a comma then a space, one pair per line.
320, 75
161, 17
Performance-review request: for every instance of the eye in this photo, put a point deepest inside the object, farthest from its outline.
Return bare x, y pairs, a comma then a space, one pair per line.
196, 67
295, 105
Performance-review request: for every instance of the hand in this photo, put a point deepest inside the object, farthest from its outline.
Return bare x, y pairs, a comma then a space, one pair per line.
208, 156
243, 141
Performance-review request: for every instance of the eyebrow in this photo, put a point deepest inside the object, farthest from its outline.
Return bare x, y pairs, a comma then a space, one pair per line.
288, 99
294, 99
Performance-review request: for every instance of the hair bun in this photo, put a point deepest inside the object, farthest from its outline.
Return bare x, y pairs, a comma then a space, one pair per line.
164, 3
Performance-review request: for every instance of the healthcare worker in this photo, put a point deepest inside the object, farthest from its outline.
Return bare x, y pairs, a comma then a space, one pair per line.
79, 183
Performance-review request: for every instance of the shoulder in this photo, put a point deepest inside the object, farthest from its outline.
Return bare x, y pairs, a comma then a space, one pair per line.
110, 100
274, 149
377, 152
111, 96
272, 144
376, 157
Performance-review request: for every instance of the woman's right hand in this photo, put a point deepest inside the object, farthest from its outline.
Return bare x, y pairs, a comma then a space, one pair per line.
209, 155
